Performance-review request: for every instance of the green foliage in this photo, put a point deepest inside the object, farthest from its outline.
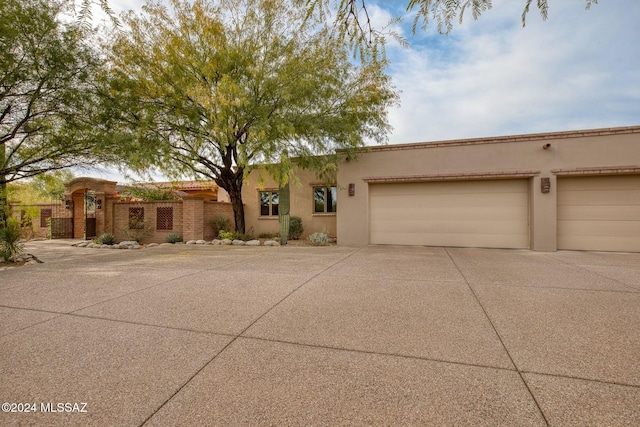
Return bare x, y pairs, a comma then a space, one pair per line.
107, 239
234, 235
319, 238
173, 238
268, 235
47, 97
10, 246
148, 193
40, 189
353, 24
220, 223
208, 88
295, 227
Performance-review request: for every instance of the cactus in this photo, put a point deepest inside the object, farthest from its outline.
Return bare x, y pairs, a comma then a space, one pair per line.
283, 212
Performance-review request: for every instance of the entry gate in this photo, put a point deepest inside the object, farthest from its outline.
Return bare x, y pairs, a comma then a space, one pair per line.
89, 215
61, 220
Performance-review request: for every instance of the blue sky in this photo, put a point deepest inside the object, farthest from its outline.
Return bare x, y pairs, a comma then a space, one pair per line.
577, 70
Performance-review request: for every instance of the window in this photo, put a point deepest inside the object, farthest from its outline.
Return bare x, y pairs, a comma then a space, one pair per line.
136, 218
269, 203
44, 215
325, 199
164, 218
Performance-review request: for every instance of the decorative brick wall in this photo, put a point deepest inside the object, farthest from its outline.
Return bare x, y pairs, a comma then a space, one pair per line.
211, 210
149, 233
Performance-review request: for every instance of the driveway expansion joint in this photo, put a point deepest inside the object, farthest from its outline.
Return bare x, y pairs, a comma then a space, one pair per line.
524, 381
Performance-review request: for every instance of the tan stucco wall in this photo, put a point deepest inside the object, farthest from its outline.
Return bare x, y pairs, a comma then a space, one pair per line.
301, 191
601, 151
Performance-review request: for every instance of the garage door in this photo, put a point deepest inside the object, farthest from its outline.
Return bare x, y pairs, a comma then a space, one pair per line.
461, 213
599, 213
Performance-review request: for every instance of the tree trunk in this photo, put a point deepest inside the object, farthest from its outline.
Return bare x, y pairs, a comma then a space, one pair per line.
235, 195
231, 182
4, 204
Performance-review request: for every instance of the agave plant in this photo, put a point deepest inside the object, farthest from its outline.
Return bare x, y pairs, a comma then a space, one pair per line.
10, 245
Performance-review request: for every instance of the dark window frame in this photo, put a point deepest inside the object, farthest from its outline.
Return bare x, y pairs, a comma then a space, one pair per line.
325, 200
268, 206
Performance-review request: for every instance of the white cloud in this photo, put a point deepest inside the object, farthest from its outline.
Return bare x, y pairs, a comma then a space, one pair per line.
492, 77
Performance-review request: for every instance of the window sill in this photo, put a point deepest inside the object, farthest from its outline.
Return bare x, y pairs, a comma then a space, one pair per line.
268, 217
325, 214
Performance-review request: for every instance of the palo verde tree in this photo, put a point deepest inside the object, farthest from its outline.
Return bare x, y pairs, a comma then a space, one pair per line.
209, 88
352, 21
46, 90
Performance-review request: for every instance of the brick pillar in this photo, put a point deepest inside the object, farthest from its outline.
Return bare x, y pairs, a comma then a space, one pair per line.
78, 215
192, 218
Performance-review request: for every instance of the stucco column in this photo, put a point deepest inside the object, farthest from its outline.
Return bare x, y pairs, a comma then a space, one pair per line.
544, 213
192, 218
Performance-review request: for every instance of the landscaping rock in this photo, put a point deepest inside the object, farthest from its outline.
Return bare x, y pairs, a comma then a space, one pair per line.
191, 242
200, 242
166, 244
152, 245
82, 244
271, 243
238, 242
129, 244
216, 242
225, 242
253, 243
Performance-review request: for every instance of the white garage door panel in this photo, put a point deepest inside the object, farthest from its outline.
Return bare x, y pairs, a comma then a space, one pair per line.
599, 213
464, 213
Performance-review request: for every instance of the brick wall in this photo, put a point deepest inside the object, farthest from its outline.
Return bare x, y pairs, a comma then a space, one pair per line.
150, 232
211, 210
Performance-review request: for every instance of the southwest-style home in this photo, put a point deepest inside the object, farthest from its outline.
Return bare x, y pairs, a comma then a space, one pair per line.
576, 190
565, 190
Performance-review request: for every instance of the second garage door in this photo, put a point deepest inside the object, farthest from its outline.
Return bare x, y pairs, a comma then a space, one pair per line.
491, 214
599, 213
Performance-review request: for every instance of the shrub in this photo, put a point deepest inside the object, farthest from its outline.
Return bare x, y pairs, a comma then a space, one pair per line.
233, 235
319, 238
173, 238
220, 223
107, 239
268, 235
10, 245
295, 227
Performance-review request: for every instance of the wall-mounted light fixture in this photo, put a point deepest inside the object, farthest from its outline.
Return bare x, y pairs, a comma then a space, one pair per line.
67, 204
99, 204
546, 146
352, 190
545, 185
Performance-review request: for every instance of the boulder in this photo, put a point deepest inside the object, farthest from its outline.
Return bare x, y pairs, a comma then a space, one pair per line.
152, 245
238, 242
191, 242
129, 244
225, 242
253, 243
216, 242
271, 243
200, 242
82, 244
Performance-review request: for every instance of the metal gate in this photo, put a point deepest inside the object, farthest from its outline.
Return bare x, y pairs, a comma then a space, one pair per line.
61, 219
89, 215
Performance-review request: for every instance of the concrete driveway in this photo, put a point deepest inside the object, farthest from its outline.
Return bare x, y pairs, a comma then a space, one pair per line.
381, 335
